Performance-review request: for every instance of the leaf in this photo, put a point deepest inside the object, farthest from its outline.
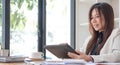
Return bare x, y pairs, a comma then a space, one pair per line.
20, 2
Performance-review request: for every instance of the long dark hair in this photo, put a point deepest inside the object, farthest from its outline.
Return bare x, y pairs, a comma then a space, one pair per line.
107, 11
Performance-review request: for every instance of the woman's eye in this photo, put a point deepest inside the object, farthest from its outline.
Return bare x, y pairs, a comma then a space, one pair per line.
97, 16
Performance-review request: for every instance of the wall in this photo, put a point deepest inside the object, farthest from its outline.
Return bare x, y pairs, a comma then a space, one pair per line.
82, 31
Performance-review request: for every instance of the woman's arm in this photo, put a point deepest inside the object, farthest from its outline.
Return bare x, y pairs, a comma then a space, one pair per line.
114, 55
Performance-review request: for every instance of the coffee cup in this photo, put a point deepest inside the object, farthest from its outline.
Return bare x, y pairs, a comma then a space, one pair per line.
36, 55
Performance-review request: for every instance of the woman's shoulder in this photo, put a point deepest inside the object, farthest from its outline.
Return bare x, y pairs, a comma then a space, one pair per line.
115, 32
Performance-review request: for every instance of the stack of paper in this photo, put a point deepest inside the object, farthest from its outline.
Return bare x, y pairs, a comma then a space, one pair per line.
62, 62
74, 61
11, 59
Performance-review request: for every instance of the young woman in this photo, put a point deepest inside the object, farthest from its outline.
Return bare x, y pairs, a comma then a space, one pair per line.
104, 43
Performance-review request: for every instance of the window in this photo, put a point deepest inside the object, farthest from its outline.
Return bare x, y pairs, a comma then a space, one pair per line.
57, 23
0, 23
25, 20
23, 26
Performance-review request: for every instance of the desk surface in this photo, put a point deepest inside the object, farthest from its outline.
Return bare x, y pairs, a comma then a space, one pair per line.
107, 63
22, 63
12, 64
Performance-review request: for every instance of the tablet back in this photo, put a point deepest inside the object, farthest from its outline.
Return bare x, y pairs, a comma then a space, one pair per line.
60, 50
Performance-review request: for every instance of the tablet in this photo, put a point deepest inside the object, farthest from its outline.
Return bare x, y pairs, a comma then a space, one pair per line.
60, 50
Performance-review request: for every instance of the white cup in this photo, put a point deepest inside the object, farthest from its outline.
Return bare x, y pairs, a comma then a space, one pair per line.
37, 55
4, 52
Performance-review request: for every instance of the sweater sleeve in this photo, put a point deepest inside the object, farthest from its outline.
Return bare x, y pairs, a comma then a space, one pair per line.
113, 56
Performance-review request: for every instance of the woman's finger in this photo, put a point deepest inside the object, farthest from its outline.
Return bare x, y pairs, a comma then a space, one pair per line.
74, 56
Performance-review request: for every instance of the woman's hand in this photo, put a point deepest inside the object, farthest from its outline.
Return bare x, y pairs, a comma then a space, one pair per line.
80, 56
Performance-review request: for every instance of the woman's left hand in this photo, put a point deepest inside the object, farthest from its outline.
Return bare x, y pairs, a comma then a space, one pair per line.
80, 56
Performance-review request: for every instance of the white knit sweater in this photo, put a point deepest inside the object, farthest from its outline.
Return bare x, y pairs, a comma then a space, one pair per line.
111, 50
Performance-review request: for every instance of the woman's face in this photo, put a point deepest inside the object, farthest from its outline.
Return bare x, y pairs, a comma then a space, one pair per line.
97, 21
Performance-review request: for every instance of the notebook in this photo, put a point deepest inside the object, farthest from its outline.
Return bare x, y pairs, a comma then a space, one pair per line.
11, 59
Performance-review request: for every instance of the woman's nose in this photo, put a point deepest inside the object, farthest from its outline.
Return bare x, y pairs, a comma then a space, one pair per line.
94, 20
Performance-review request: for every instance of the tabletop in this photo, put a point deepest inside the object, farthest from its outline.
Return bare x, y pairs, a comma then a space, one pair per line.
22, 63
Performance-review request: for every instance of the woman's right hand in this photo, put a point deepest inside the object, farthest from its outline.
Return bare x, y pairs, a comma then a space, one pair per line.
80, 56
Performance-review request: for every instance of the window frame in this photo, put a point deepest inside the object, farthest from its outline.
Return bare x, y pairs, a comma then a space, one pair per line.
5, 24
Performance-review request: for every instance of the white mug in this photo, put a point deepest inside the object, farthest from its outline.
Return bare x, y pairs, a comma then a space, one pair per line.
37, 55
4, 52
